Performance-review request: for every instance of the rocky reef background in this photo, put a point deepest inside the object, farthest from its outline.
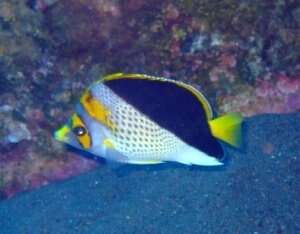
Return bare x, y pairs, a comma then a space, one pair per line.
244, 55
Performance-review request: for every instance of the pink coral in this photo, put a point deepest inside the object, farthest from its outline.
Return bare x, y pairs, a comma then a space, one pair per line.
134, 5
108, 7
286, 85
218, 72
278, 95
171, 12
175, 48
265, 89
227, 60
214, 75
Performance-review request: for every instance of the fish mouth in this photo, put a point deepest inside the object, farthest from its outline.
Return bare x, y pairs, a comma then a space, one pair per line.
62, 133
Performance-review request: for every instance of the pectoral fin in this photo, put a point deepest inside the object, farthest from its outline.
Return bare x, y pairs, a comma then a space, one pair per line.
114, 155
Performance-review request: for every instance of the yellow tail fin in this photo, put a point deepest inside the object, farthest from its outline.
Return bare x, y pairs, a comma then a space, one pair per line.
228, 128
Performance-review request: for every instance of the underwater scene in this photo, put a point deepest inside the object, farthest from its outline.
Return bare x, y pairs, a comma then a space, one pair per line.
149, 117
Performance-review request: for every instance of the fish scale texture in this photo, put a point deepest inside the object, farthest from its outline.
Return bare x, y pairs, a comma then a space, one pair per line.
135, 135
257, 192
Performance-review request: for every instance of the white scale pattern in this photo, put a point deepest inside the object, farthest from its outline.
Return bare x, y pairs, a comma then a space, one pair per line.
137, 137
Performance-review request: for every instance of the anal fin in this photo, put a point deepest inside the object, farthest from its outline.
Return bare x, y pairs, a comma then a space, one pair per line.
145, 162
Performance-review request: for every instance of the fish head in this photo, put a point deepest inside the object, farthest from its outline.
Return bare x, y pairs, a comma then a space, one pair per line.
75, 133
82, 132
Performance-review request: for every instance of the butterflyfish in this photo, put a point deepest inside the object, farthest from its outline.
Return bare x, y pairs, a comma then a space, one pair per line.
142, 119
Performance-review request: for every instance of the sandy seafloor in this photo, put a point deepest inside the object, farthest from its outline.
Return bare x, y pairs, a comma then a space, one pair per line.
257, 191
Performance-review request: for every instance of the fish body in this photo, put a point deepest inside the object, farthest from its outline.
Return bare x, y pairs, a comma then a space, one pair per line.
141, 119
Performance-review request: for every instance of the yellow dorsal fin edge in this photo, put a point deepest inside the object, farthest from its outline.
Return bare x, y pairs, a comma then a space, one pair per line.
228, 128
205, 104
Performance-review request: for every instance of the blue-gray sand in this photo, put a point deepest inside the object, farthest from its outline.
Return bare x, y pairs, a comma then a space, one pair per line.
257, 191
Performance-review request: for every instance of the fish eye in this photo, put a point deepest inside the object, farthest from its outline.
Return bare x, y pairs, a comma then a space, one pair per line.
79, 130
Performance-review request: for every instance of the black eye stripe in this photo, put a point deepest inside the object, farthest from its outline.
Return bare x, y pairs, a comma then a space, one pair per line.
79, 130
